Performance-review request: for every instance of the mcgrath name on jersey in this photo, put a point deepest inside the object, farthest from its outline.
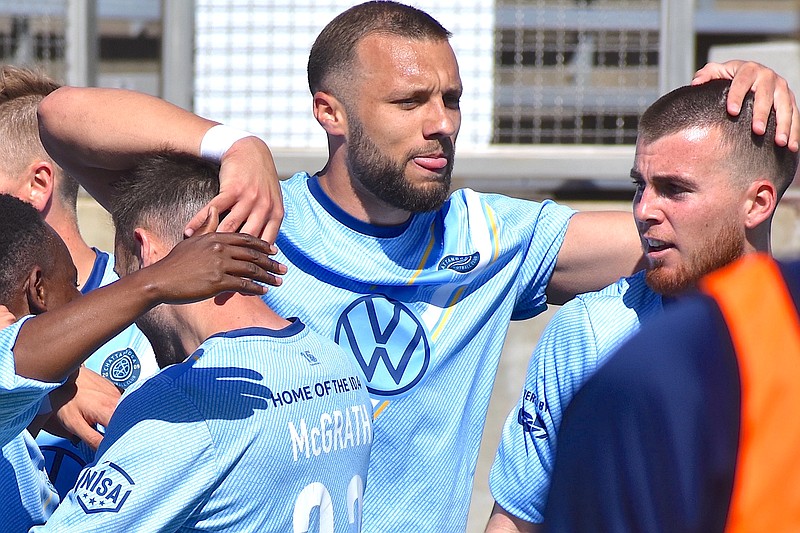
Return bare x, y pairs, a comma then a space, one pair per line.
333, 431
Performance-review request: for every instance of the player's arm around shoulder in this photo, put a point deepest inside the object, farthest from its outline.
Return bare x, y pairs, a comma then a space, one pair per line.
599, 248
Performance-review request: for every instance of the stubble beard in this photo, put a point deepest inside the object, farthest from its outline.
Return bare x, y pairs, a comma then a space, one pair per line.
726, 247
386, 179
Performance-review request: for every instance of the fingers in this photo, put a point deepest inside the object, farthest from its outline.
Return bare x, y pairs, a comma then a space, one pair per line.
88, 434
6, 317
787, 117
211, 222
270, 233
771, 91
716, 71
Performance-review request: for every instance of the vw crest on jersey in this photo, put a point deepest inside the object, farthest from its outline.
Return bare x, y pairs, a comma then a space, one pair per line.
460, 263
122, 368
103, 488
388, 341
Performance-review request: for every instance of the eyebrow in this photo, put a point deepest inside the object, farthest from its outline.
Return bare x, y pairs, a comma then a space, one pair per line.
666, 178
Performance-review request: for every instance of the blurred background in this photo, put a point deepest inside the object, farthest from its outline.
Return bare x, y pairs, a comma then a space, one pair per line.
553, 91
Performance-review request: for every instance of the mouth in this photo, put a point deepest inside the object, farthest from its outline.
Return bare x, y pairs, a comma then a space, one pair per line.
655, 246
432, 162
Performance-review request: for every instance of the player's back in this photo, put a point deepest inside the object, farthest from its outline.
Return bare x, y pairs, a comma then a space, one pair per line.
304, 433
259, 430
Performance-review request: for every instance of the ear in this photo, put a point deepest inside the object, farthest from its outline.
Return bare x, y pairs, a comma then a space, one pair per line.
761, 201
150, 248
330, 113
39, 185
35, 292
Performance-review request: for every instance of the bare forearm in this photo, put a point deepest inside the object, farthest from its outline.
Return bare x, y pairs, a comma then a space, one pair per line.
502, 522
599, 248
52, 345
95, 133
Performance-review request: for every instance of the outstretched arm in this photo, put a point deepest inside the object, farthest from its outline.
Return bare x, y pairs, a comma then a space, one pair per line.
197, 268
599, 248
770, 90
95, 134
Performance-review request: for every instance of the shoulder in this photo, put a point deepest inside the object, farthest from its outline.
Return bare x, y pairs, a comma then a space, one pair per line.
508, 206
616, 309
670, 357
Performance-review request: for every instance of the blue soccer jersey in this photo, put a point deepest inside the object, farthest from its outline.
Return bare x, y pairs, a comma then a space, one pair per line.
259, 430
423, 309
26, 495
122, 360
581, 335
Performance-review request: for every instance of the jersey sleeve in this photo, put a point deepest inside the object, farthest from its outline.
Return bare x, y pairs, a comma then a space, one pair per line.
649, 443
154, 468
564, 357
20, 397
545, 225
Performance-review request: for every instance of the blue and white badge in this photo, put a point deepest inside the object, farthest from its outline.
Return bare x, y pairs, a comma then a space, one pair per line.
122, 368
103, 488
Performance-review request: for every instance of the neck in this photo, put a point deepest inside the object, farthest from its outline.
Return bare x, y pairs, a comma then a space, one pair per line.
82, 254
759, 239
348, 193
200, 320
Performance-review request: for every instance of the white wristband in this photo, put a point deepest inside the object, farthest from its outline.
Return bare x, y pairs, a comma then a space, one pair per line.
218, 140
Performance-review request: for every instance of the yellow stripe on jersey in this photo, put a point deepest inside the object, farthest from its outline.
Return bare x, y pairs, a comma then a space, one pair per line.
495, 238
380, 409
450, 306
425, 255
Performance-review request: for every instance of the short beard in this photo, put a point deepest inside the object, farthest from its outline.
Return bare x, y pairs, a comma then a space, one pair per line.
386, 179
166, 345
725, 248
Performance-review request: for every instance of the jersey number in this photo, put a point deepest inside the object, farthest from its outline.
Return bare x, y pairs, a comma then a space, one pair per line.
317, 495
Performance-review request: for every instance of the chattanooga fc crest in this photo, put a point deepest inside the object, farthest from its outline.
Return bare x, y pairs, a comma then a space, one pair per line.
122, 368
388, 341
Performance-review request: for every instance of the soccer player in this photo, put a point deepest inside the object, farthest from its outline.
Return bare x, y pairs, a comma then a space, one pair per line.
28, 172
416, 284
706, 192
58, 329
267, 426
698, 430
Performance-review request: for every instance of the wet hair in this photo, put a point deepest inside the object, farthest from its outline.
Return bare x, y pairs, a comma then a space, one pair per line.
749, 156
333, 54
21, 90
23, 235
161, 194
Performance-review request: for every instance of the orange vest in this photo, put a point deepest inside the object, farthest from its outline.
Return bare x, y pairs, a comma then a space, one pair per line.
765, 330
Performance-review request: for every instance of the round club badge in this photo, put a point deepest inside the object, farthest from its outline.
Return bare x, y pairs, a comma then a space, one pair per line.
122, 368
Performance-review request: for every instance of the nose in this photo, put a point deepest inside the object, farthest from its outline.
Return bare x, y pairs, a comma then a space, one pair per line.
442, 121
645, 206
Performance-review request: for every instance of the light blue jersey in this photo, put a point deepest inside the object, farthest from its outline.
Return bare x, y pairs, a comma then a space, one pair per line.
259, 430
581, 335
26, 495
423, 309
123, 360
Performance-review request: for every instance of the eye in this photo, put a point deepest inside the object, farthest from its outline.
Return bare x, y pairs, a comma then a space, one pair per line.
407, 103
673, 190
452, 101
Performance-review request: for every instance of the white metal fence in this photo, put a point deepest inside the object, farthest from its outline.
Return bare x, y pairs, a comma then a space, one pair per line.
553, 88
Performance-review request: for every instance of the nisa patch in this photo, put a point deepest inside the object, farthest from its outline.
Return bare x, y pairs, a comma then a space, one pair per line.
460, 263
103, 488
122, 368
